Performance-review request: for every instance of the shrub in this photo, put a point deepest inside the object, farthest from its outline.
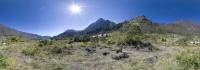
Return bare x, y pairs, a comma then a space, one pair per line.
182, 42
189, 60
6, 63
123, 38
165, 63
163, 39
185, 60
55, 64
44, 43
3, 62
33, 51
81, 38
14, 39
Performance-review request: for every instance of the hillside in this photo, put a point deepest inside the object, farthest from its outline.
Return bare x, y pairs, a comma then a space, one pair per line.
99, 26
181, 27
7, 31
146, 25
136, 44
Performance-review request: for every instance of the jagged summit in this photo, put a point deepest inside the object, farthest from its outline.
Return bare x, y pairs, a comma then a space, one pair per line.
141, 19
146, 25
100, 20
101, 25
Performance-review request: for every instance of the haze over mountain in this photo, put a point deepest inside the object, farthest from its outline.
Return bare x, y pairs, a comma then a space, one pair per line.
101, 25
7, 31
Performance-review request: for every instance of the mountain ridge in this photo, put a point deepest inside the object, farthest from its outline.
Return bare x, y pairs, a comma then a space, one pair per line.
7, 31
146, 25
101, 25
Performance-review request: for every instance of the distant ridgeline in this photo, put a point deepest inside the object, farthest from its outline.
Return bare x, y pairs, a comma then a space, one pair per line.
102, 26
146, 26
9, 32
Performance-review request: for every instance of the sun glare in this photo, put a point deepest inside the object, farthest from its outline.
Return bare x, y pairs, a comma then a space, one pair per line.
75, 8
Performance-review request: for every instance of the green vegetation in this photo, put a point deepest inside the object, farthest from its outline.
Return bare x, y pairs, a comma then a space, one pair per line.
182, 42
81, 38
6, 62
132, 45
128, 34
33, 51
45, 42
189, 60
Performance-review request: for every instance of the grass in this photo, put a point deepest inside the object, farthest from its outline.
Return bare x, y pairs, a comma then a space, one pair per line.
188, 59
7, 63
51, 55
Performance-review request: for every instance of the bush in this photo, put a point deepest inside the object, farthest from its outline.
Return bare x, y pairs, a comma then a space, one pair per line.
44, 43
182, 42
124, 38
33, 51
189, 60
6, 63
163, 39
55, 64
186, 60
129, 33
3, 62
14, 39
82, 38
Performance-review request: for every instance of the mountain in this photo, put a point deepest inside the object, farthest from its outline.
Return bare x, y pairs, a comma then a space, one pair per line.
146, 26
101, 25
7, 31
67, 33
180, 27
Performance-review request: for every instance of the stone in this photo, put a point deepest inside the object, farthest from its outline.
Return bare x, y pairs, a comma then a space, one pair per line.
120, 56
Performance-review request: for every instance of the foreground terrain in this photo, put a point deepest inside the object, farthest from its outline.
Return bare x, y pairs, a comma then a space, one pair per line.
169, 54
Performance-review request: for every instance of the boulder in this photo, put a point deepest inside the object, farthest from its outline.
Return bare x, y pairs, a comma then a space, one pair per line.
120, 56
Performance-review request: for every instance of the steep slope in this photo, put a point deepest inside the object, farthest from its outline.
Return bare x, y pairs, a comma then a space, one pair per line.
146, 26
180, 27
99, 26
7, 31
67, 33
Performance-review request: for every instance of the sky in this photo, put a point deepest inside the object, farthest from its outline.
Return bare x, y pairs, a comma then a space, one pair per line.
51, 17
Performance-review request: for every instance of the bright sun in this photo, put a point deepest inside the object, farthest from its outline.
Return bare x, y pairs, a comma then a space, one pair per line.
75, 8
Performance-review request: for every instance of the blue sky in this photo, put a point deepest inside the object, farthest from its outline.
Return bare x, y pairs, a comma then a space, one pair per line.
51, 17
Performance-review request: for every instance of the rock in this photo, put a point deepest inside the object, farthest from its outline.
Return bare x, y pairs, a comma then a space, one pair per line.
69, 53
105, 53
90, 50
152, 59
119, 50
4, 43
121, 56
57, 50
